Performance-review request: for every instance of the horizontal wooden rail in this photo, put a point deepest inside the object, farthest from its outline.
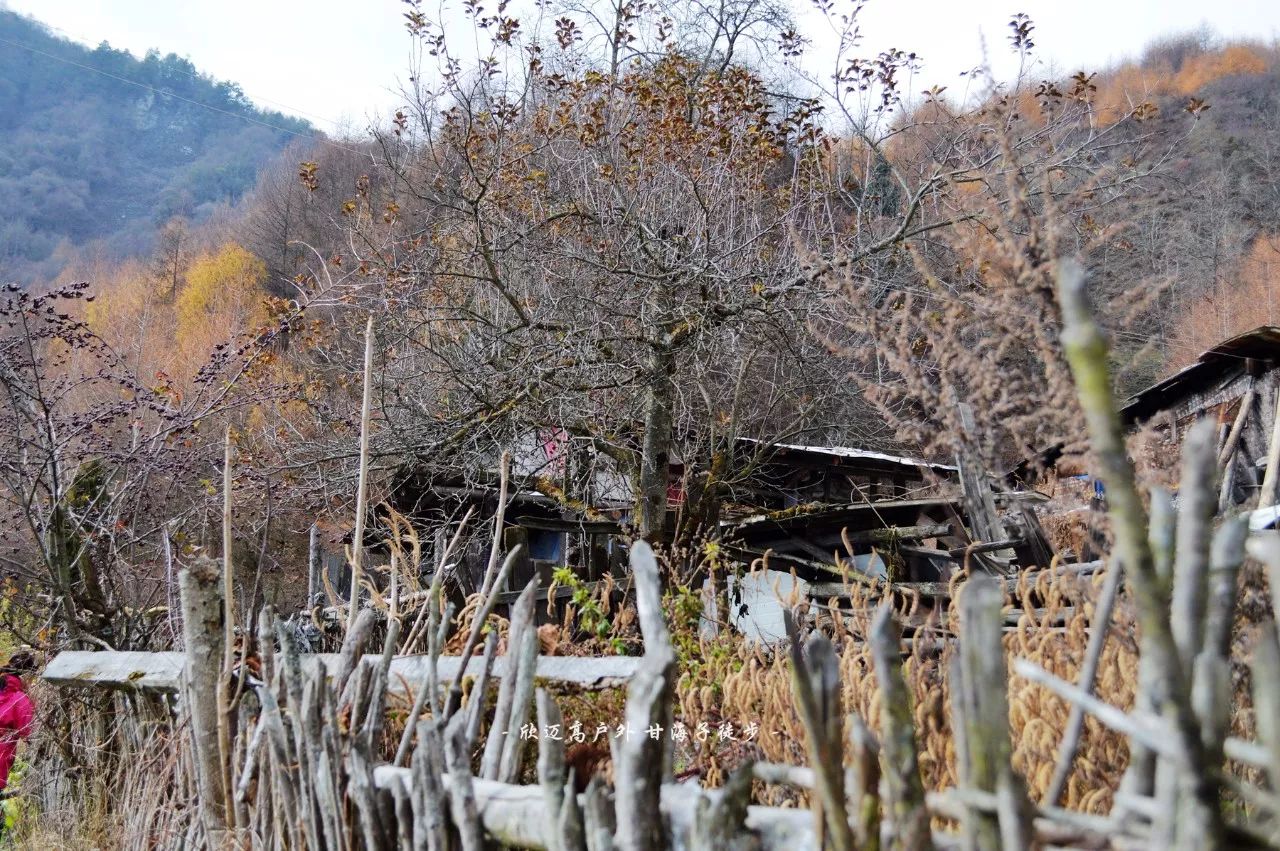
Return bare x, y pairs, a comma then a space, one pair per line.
160, 672
516, 816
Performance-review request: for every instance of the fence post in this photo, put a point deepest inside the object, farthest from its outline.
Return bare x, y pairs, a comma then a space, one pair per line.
202, 614
906, 803
644, 762
815, 682
984, 703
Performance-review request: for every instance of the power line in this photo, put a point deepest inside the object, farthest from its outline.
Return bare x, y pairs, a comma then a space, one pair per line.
1118, 332
202, 78
246, 118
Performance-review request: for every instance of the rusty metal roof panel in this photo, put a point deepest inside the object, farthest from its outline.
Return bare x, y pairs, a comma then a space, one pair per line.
1220, 363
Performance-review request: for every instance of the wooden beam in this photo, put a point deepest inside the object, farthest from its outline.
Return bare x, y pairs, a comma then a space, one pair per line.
822, 546
1267, 495
161, 672
985, 547
560, 593
900, 533
590, 527
826, 590
1237, 427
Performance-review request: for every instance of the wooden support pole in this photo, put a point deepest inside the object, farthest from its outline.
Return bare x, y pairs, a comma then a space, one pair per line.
1226, 555
313, 564
1086, 353
524, 652
1196, 509
1266, 704
979, 501
551, 770
599, 818
1237, 427
362, 484
564, 814
1101, 626
229, 628
1267, 495
719, 821
862, 783
462, 798
815, 683
644, 761
1139, 776
906, 803
1211, 671
202, 614
430, 816
507, 707
476, 703
985, 706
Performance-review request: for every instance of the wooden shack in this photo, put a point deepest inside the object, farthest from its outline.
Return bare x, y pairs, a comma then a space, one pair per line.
787, 474
830, 514
1236, 382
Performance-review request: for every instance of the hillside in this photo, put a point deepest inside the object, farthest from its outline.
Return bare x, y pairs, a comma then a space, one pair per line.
617, 345
96, 144
1199, 246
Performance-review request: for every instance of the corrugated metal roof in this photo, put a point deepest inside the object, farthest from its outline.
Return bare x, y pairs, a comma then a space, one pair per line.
851, 452
1226, 358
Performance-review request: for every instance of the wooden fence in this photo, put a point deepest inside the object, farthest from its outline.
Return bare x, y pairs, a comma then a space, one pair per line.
311, 770
298, 756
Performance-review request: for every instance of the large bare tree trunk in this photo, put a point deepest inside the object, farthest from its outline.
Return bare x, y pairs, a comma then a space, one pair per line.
655, 458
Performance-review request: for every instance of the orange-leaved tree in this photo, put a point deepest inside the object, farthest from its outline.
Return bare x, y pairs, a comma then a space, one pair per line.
223, 295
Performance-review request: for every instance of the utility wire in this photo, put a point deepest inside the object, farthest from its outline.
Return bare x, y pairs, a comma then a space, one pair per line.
246, 118
1118, 332
74, 37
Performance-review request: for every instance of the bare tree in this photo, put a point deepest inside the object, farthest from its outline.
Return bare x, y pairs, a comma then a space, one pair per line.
96, 463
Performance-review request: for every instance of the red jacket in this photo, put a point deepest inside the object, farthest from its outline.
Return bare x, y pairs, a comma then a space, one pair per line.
16, 716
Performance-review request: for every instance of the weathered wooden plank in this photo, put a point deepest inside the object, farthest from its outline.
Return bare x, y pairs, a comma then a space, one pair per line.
979, 502
840, 590
561, 592
834, 513
517, 815
891, 534
589, 527
162, 671
119, 669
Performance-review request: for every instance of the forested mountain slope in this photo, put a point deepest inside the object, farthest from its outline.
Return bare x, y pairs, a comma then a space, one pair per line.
96, 144
1201, 243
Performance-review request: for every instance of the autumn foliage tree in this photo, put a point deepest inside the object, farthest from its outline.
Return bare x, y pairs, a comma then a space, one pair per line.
1247, 296
612, 242
223, 291
110, 423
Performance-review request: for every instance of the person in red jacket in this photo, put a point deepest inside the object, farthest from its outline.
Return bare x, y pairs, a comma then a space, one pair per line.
16, 710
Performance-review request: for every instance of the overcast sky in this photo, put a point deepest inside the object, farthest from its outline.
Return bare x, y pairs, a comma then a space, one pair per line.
340, 61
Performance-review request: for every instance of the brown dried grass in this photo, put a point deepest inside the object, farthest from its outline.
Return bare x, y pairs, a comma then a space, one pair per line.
1051, 630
